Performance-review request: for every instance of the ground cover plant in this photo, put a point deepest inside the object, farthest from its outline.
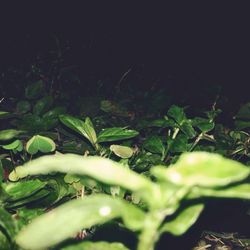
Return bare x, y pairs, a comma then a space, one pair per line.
138, 161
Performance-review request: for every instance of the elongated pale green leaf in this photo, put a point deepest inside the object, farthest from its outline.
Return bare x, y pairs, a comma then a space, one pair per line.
241, 191
183, 220
65, 221
116, 134
40, 143
101, 169
22, 189
85, 129
203, 169
122, 151
88, 245
9, 134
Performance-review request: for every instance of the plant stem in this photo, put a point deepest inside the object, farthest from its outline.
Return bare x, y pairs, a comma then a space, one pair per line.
149, 234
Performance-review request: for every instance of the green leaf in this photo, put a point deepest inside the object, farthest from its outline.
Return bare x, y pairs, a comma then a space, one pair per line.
1, 172
40, 143
85, 129
77, 215
9, 134
55, 112
242, 124
122, 151
101, 169
23, 107
154, 144
116, 134
203, 124
88, 245
42, 105
17, 144
187, 129
177, 113
244, 112
22, 189
4, 242
34, 90
203, 169
178, 144
239, 191
183, 220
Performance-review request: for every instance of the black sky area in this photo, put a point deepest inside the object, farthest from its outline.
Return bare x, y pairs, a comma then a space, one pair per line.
192, 44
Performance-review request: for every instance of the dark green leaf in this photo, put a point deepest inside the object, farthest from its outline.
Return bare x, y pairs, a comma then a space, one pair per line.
23, 107
34, 90
187, 129
179, 144
154, 144
203, 124
42, 105
177, 113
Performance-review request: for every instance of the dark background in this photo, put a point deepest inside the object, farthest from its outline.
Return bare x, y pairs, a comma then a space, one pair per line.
182, 46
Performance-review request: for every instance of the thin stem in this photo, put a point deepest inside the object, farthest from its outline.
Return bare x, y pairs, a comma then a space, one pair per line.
150, 235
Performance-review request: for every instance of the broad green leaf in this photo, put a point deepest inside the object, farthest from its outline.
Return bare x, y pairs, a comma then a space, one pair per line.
116, 134
187, 129
9, 134
101, 169
14, 145
40, 143
154, 144
239, 191
183, 220
203, 169
177, 113
77, 215
34, 90
22, 189
4, 242
23, 107
122, 151
179, 144
203, 124
83, 128
88, 245
42, 105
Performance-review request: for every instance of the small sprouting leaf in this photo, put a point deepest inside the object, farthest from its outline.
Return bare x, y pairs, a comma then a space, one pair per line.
42, 105
183, 220
102, 245
85, 129
203, 169
15, 145
77, 215
40, 143
154, 144
9, 134
122, 151
101, 169
177, 113
34, 90
116, 134
23, 107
